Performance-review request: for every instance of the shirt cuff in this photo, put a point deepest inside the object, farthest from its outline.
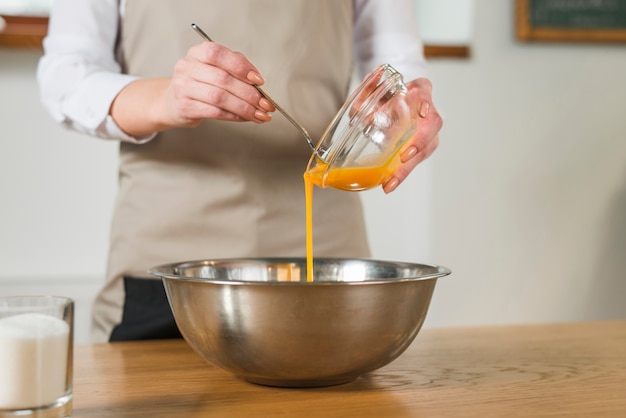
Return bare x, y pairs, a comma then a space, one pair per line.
111, 130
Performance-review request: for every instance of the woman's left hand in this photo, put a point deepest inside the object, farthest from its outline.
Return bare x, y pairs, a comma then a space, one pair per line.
426, 138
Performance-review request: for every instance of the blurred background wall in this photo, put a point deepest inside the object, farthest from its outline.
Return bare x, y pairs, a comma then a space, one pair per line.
529, 183
525, 199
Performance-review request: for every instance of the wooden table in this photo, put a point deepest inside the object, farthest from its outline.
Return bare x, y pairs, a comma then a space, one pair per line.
562, 370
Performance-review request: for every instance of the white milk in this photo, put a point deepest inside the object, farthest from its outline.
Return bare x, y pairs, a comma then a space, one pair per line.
33, 360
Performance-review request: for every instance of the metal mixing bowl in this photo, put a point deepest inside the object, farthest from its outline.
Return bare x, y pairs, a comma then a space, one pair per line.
261, 320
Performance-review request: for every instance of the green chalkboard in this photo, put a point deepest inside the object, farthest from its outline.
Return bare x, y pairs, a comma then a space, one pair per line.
578, 14
573, 20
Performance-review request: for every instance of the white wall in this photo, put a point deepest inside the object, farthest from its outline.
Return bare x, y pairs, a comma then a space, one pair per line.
525, 200
56, 191
530, 179
445, 22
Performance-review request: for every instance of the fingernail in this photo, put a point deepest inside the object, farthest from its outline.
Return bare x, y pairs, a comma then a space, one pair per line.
255, 78
266, 105
408, 154
262, 116
391, 185
424, 109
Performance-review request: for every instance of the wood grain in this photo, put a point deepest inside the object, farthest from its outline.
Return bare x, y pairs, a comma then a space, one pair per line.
565, 370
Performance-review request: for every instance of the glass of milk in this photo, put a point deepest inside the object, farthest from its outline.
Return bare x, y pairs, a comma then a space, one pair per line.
36, 356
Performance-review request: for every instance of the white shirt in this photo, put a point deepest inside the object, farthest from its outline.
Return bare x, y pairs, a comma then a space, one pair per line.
80, 74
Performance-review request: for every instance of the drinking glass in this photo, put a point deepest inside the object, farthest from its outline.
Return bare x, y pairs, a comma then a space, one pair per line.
36, 356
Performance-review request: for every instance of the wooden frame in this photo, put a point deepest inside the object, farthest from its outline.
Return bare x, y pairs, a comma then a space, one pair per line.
527, 31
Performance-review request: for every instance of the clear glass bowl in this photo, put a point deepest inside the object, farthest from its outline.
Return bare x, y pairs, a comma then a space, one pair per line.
361, 146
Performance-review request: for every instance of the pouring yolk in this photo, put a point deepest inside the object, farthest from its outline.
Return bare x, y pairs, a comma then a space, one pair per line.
347, 178
343, 178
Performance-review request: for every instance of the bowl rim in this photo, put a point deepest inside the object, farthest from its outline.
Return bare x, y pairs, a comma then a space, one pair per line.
387, 75
167, 271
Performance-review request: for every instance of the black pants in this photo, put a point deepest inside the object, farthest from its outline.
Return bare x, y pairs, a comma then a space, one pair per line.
147, 314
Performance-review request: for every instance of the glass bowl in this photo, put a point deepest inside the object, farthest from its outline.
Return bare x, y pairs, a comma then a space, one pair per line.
361, 146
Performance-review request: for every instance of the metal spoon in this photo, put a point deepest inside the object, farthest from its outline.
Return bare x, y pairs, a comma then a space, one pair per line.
286, 114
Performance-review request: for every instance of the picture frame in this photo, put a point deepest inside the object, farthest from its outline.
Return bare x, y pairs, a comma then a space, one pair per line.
570, 20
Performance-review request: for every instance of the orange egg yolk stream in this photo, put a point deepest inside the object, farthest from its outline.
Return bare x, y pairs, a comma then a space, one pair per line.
342, 178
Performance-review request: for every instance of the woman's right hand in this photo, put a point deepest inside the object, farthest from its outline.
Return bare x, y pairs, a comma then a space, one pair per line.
210, 82
214, 82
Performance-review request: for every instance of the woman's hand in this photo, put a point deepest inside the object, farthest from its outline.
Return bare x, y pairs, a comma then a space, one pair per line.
426, 138
210, 82
213, 82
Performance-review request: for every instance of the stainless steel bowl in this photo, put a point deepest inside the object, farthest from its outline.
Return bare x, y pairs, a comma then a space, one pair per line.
261, 320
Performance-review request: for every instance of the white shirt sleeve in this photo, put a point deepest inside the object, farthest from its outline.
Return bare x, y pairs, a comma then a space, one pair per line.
385, 32
79, 75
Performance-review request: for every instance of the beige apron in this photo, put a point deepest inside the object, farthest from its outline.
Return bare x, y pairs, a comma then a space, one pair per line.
228, 189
